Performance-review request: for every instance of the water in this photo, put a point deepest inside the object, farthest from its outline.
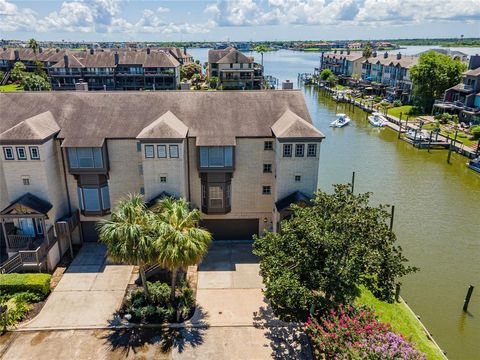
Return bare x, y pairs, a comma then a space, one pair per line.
437, 207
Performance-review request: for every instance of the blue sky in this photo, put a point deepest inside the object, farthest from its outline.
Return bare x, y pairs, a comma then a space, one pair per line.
237, 20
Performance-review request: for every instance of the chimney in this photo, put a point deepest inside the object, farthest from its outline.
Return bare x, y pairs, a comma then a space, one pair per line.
17, 54
117, 58
474, 62
399, 56
57, 50
40, 50
185, 50
65, 60
348, 52
385, 55
148, 51
287, 85
81, 86
374, 54
92, 51
185, 85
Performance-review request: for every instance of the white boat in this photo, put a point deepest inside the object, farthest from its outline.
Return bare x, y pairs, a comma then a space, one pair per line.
474, 164
341, 121
376, 119
417, 135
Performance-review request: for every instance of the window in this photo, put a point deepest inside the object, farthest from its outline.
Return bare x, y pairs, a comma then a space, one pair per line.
21, 154
149, 151
215, 195
139, 146
173, 149
266, 190
142, 190
267, 168
287, 150
241, 66
38, 226
298, 178
216, 156
312, 150
163, 179
85, 158
91, 199
26, 180
268, 145
34, 154
299, 150
8, 153
162, 151
231, 66
93, 194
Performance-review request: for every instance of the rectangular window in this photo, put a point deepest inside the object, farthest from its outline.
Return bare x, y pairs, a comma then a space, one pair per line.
139, 146
266, 190
8, 153
173, 149
105, 197
268, 145
91, 199
215, 194
216, 156
298, 178
287, 150
38, 226
142, 190
21, 154
231, 66
26, 180
85, 158
163, 179
267, 168
80, 199
162, 151
34, 154
149, 152
312, 150
299, 150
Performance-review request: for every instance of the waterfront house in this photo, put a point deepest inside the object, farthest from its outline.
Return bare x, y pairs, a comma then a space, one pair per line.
342, 63
241, 157
234, 70
463, 98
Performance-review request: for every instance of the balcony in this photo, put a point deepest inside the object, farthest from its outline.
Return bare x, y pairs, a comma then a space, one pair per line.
21, 242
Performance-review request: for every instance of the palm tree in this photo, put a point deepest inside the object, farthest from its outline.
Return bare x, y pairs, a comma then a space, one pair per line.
32, 44
262, 48
367, 51
181, 242
129, 235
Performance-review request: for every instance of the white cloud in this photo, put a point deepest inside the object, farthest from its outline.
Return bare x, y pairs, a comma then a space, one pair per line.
162, 9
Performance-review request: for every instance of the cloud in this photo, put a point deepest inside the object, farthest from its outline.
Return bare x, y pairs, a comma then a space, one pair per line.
162, 9
336, 12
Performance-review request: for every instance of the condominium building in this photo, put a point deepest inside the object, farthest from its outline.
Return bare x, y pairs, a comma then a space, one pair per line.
241, 157
234, 70
342, 63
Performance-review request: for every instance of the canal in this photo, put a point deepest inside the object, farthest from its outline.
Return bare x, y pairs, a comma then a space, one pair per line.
437, 206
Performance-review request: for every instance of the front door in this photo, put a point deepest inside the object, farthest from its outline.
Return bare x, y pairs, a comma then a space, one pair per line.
26, 226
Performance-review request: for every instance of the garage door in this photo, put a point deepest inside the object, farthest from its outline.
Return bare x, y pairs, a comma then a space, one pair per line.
238, 229
89, 231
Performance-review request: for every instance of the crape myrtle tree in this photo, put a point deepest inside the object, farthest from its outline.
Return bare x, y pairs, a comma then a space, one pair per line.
324, 252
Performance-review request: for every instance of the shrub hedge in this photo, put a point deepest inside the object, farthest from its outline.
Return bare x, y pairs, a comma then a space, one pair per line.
15, 283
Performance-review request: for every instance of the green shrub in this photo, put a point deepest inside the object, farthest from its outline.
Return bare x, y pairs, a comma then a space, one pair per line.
17, 283
397, 103
377, 99
476, 132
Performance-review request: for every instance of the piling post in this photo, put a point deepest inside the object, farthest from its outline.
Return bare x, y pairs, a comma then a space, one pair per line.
467, 298
430, 141
392, 216
399, 128
353, 181
397, 292
450, 148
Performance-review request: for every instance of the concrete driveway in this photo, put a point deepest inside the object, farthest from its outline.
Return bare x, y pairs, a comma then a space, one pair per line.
239, 323
88, 294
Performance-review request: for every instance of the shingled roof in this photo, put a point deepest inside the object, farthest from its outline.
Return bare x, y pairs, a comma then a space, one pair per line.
36, 128
167, 126
229, 55
85, 117
290, 126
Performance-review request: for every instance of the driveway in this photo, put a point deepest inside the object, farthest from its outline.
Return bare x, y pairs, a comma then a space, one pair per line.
239, 323
88, 294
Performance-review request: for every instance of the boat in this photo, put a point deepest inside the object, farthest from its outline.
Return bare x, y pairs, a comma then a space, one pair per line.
474, 164
376, 119
341, 121
417, 135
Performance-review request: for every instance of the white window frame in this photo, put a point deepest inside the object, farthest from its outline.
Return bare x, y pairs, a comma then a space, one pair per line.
21, 148
152, 149
31, 149
5, 149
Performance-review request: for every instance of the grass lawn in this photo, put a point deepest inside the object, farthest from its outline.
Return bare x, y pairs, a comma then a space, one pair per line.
10, 88
402, 321
461, 136
405, 109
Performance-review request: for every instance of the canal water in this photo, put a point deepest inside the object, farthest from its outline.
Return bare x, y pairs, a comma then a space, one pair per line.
437, 206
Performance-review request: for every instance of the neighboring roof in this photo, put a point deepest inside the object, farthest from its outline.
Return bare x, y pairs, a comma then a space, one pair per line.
290, 125
167, 126
294, 198
37, 128
73, 62
473, 72
154, 201
352, 56
87, 117
405, 61
228, 56
461, 88
30, 201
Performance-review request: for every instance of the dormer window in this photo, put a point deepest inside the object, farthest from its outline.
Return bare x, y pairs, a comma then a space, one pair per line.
87, 160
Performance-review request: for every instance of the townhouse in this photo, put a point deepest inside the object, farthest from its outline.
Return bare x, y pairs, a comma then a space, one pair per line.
234, 70
241, 157
342, 63
464, 98
103, 69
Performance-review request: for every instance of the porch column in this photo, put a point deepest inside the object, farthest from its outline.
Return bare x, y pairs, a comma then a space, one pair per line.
5, 235
45, 230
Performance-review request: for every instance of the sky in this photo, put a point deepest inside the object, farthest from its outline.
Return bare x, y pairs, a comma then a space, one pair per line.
237, 20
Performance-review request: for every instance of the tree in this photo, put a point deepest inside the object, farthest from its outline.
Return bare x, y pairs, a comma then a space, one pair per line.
434, 74
129, 235
367, 51
34, 82
325, 73
325, 251
18, 71
180, 240
188, 70
32, 44
332, 80
213, 82
262, 48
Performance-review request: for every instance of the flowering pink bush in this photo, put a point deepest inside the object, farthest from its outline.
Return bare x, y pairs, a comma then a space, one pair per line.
356, 333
